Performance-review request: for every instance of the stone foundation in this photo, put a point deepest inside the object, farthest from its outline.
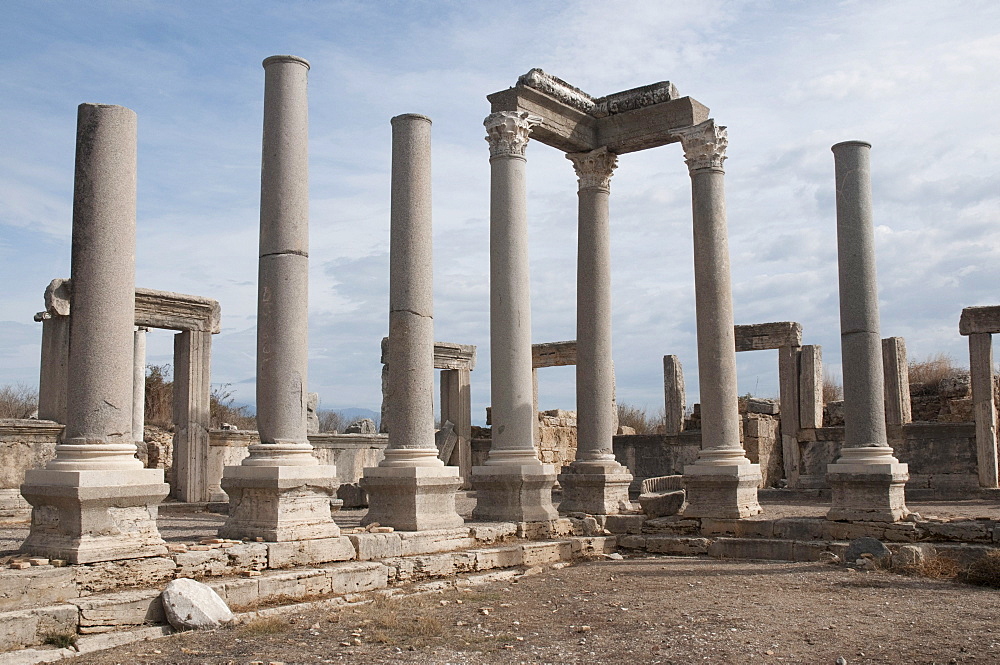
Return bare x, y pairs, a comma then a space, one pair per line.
722, 491
412, 498
514, 493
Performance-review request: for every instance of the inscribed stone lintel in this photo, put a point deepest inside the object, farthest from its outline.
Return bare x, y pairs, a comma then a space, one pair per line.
762, 336
553, 354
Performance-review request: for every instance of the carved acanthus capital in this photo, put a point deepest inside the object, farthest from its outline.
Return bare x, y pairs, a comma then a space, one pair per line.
594, 168
704, 145
507, 132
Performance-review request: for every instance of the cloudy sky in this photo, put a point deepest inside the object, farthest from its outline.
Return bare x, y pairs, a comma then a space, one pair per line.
919, 80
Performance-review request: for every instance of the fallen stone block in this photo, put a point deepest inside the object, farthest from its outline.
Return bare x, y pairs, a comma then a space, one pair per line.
866, 545
624, 523
909, 556
589, 545
191, 605
353, 496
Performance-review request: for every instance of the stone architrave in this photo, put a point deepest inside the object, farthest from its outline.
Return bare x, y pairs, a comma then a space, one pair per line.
674, 400
280, 492
139, 384
512, 485
867, 482
411, 489
897, 381
594, 483
94, 501
722, 482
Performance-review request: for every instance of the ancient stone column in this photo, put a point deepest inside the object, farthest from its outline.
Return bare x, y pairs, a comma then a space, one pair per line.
280, 492
867, 481
94, 501
513, 485
897, 381
411, 489
722, 482
674, 401
139, 384
594, 483
192, 414
981, 376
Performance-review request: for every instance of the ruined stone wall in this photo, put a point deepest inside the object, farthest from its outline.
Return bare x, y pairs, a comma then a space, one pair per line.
24, 444
557, 437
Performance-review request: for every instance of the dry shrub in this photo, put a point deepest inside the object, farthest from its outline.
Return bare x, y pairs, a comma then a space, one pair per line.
933, 369
224, 411
159, 396
636, 418
832, 389
331, 421
984, 571
18, 401
935, 567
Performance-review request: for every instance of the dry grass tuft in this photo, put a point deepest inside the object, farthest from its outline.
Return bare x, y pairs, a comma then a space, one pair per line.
260, 627
933, 369
984, 571
936, 567
637, 418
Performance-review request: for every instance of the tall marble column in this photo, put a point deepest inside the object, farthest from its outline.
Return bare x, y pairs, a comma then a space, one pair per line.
281, 492
139, 384
94, 501
411, 489
513, 485
594, 483
722, 482
867, 482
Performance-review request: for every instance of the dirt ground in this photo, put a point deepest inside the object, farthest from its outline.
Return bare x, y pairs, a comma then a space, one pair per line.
648, 609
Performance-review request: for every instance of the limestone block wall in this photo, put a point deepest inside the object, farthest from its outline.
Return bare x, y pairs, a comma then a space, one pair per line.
24, 444
761, 436
941, 456
557, 437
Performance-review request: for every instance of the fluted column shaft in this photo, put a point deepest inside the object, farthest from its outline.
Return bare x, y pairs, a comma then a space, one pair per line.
594, 366
139, 384
510, 300
283, 279
411, 298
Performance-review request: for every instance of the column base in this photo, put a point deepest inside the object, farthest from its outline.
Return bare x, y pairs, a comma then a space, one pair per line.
90, 516
412, 498
868, 493
723, 491
595, 488
514, 493
280, 503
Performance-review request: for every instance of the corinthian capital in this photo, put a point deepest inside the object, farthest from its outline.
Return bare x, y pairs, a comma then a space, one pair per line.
594, 168
704, 145
507, 132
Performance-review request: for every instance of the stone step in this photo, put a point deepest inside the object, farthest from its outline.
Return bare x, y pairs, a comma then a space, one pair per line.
107, 612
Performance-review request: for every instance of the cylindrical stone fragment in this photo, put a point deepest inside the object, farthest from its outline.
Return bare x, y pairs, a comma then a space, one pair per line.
283, 281
411, 296
861, 346
98, 430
